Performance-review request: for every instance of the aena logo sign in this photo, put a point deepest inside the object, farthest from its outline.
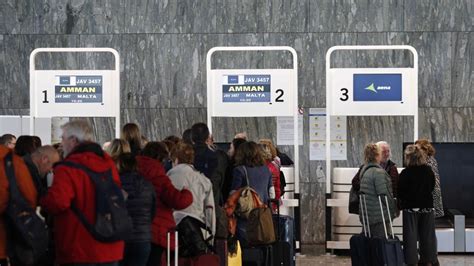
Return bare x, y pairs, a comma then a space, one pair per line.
377, 87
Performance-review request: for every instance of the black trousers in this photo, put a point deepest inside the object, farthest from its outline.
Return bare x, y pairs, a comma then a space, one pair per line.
419, 227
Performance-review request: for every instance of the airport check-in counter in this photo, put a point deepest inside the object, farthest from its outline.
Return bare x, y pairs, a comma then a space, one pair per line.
290, 204
454, 232
344, 225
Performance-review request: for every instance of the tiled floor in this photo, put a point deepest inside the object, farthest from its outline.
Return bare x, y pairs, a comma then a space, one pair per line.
332, 260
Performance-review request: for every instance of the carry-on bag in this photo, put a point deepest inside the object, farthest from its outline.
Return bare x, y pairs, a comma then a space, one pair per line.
359, 244
388, 250
283, 248
207, 259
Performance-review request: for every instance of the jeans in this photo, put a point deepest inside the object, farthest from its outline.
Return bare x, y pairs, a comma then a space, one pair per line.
136, 254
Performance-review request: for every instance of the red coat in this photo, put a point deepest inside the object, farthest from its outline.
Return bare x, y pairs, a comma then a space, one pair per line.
74, 244
168, 198
275, 178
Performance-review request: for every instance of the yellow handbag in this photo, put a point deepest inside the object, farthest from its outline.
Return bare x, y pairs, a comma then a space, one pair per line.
236, 259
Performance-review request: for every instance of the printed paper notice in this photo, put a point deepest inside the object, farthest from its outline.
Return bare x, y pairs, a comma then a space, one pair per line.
317, 135
286, 132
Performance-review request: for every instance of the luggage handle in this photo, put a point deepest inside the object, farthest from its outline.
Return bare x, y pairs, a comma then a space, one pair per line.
383, 216
168, 245
364, 211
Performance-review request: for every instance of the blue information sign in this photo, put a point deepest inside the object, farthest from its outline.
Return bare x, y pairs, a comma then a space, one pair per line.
377, 87
246, 88
78, 89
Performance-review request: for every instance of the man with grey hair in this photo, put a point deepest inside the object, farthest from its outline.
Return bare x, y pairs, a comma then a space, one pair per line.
75, 245
389, 166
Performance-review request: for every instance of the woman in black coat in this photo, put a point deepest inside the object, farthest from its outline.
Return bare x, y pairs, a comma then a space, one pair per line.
415, 190
141, 206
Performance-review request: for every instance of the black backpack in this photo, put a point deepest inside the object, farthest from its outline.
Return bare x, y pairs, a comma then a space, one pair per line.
112, 220
27, 233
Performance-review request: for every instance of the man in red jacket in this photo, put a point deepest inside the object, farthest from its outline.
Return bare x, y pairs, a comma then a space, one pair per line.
74, 244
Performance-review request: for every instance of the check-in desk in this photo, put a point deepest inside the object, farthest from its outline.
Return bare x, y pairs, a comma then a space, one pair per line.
454, 232
343, 224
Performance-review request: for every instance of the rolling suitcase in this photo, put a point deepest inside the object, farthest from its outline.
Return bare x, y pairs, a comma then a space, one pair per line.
388, 250
359, 244
201, 260
283, 249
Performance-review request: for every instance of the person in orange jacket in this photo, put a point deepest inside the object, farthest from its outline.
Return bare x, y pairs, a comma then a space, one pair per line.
26, 187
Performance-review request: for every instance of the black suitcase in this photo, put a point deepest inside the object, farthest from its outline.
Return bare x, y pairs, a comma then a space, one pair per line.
283, 249
388, 250
359, 244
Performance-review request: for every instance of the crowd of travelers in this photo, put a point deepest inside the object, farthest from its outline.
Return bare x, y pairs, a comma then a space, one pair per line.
79, 188
415, 191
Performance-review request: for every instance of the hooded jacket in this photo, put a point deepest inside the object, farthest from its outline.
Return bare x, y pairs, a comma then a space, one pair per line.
167, 199
25, 185
74, 244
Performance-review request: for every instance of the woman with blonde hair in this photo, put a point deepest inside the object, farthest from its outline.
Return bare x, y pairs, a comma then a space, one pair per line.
117, 147
430, 151
270, 156
415, 190
376, 182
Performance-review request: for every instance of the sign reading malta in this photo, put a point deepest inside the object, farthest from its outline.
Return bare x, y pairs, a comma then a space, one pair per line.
377, 87
246, 88
78, 89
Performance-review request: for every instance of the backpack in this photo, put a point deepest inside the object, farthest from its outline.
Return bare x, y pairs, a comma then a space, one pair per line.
27, 233
112, 220
246, 203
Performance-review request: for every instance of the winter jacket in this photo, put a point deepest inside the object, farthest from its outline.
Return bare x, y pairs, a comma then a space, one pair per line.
202, 208
74, 244
275, 178
25, 185
375, 181
415, 188
212, 164
167, 199
141, 205
391, 169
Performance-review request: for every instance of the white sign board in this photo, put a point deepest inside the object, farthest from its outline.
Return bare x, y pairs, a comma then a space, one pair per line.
317, 135
75, 93
78, 93
372, 91
253, 92
285, 130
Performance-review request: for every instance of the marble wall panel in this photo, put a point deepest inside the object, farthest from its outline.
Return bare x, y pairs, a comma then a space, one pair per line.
283, 16
158, 16
311, 50
462, 72
18, 16
447, 124
158, 123
237, 16
356, 16
3, 88
99, 61
13, 111
17, 51
3, 28
438, 15
78, 17
313, 202
239, 60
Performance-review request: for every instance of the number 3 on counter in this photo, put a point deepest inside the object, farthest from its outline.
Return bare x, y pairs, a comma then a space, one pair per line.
345, 96
280, 93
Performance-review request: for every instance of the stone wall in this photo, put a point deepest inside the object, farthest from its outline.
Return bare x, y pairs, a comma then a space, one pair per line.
163, 46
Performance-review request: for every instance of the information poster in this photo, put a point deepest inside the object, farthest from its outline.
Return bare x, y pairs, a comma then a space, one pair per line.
286, 132
317, 135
